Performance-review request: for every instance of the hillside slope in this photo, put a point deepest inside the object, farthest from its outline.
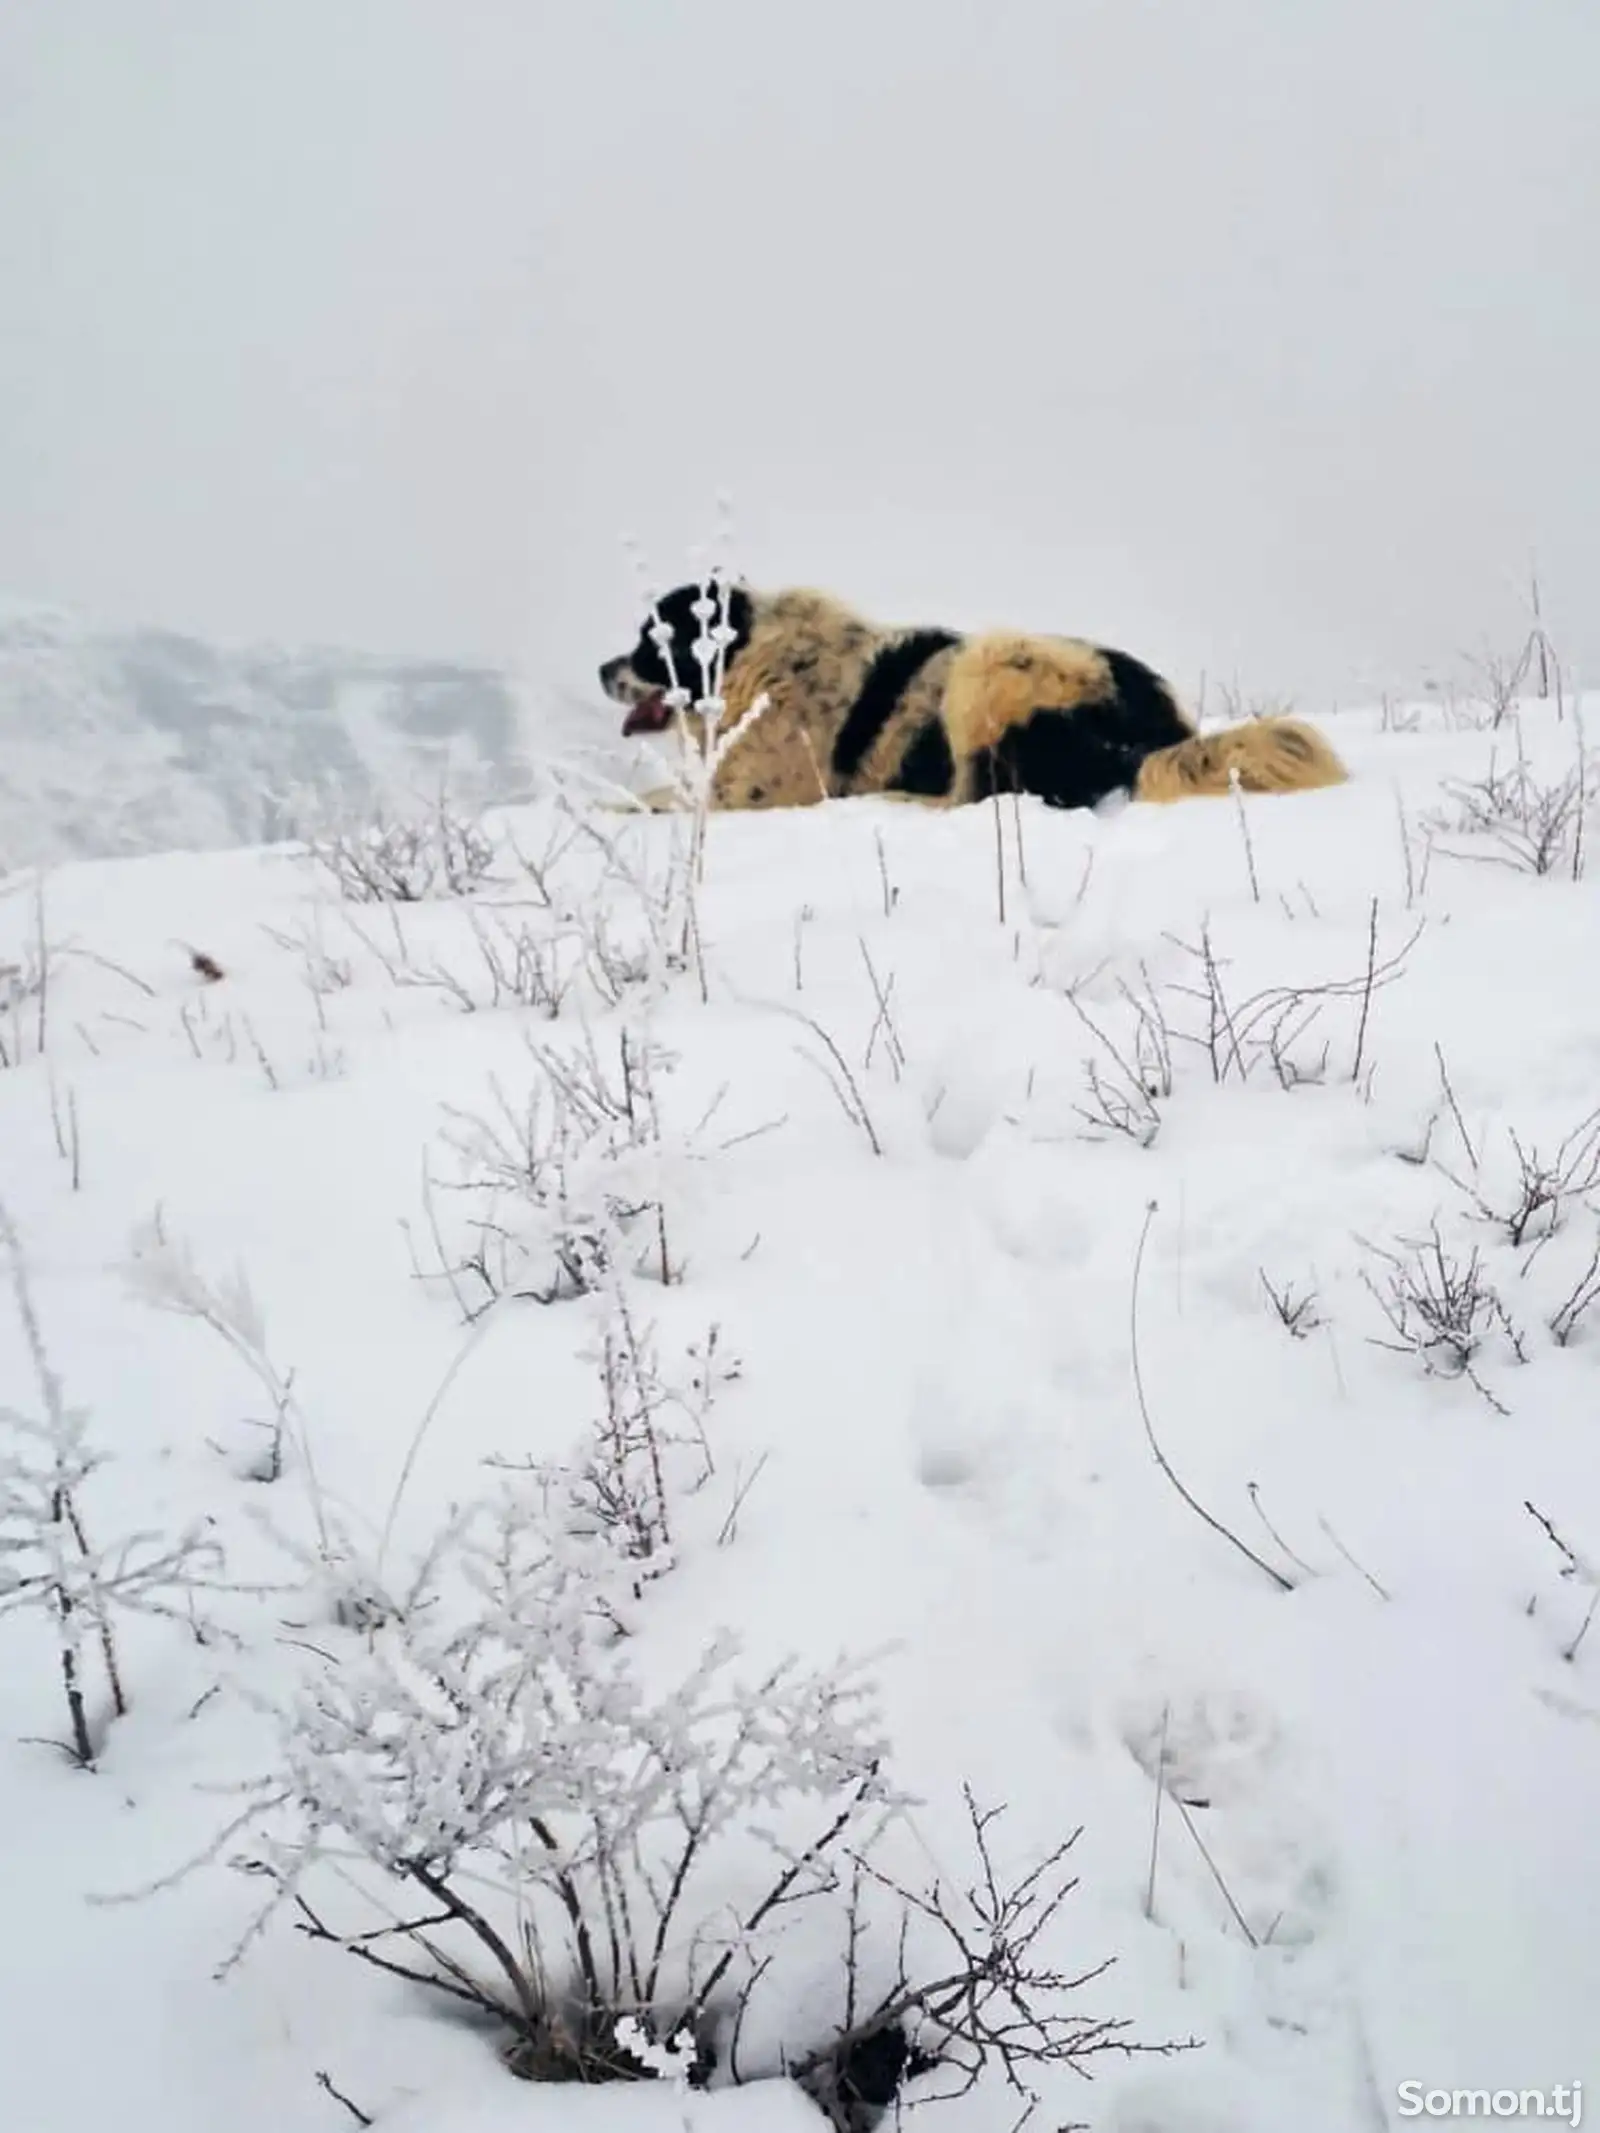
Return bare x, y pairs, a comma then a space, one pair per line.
119, 742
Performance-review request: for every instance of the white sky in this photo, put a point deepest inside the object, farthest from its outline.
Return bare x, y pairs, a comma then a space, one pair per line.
1261, 337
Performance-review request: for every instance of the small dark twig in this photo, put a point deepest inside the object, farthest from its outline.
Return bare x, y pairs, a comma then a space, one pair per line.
1366, 989
1297, 1314
1585, 1293
325, 2082
1570, 1559
1455, 1108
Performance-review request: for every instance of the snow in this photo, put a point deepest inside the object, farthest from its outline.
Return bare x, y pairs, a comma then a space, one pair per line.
482, 2105
120, 741
933, 1452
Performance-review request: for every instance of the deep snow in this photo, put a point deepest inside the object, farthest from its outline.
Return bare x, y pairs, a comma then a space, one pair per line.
1393, 1766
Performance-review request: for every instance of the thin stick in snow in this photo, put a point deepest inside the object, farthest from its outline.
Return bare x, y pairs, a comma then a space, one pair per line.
1366, 990
1244, 831
1283, 1584
1155, 1826
1382, 1593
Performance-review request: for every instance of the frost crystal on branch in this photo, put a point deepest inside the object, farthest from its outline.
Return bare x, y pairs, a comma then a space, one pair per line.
47, 1560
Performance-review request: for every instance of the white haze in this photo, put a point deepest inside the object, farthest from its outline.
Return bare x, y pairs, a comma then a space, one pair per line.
1259, 338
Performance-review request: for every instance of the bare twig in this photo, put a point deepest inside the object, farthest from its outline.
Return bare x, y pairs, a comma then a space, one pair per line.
1237, 790
1284, 1584
1585, 1293
1298, 1315
1155, 1822
1216, 1871
1359, 1568
325, 2083
843, 1084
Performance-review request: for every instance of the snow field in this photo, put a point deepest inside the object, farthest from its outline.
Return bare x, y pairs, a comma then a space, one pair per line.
1375, 1849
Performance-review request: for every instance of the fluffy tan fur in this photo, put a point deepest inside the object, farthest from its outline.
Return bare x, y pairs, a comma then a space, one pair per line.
1269, 754
808, 656
998, 680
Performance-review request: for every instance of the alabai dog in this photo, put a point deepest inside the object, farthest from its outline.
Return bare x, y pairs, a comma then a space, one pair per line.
934, 715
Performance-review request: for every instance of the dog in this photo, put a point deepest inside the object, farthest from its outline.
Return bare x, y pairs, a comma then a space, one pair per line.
931, 715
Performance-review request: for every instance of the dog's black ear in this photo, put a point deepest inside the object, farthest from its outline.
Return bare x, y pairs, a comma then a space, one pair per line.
741, 617
670, 612
676, 609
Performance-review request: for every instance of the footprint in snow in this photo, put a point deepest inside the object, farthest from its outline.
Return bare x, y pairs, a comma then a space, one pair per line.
1227, 1769
1215, 1747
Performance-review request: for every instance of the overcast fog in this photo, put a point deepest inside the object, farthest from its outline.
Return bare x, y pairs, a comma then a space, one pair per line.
1259, 336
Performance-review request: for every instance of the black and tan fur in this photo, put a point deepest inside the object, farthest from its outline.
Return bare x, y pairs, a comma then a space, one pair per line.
944, 718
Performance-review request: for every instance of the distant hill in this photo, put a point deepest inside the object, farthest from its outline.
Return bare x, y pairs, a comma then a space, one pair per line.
117, 741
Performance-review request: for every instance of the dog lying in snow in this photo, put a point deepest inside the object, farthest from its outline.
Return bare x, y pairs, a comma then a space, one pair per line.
935, 716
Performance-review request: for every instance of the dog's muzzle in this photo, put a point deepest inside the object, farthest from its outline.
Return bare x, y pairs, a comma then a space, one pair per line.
647, 707
650, 715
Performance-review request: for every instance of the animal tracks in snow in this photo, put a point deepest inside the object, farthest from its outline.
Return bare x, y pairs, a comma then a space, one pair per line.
1237, 1823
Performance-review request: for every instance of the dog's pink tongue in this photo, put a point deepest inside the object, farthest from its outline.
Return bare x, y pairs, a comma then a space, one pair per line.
652, 716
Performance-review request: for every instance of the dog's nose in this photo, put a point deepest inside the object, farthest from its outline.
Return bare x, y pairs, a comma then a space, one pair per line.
608, 673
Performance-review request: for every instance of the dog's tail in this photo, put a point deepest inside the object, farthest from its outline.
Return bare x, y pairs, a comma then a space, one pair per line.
1269, 754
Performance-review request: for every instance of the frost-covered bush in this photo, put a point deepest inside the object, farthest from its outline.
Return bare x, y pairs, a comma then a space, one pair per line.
488, 1798
440, 849
566, 1182
1522, 818
47, 1559
567, 1829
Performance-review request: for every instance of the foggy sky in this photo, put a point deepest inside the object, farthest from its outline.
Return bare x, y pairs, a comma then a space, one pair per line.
1259, 336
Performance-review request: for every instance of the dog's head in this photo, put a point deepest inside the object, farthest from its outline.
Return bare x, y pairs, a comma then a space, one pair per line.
664, 655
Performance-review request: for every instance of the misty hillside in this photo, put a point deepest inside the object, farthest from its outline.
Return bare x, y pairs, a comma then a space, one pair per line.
115, 742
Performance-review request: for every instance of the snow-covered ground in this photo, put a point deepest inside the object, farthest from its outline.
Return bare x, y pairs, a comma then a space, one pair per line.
1337, 1796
